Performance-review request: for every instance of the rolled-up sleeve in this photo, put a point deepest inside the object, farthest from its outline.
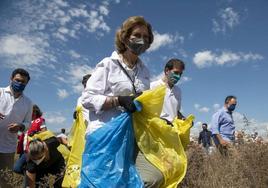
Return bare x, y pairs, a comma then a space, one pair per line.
215, 123
93, 97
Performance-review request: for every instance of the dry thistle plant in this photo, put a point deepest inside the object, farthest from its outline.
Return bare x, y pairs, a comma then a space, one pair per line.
246, 166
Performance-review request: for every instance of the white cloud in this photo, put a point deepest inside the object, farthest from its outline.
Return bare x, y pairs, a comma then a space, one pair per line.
37, 24
62, 93
184, 79
73, 76
183, 53
58, 19
74, 54
61, 3
96, 22
191, 35
78, 12
60, 36
216, 27
228, 19
198, 124
54, 118
204, 58
196, 129
201, 108
196, 106
157, 77
104, 10
216, 106
204, 109
250, 125
165, 39
208, 58
24, 51
63, 30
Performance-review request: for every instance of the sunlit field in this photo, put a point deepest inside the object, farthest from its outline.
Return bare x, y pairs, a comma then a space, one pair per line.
245, 166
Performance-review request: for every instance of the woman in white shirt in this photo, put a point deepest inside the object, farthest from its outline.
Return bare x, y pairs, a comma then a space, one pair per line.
117, 77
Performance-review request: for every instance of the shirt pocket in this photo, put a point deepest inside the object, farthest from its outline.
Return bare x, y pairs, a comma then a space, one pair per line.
121, 86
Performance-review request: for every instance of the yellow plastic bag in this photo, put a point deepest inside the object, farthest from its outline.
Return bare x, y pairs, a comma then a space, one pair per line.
73, 167
48, 134
159, 142
183, 128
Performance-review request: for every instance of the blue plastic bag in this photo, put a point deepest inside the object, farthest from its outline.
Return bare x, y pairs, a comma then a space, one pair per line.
108, 159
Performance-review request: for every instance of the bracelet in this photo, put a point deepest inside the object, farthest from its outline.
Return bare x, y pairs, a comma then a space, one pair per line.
114, 101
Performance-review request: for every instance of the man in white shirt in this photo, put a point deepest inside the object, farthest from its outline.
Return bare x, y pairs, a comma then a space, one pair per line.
79, 101
172, 101
15, 115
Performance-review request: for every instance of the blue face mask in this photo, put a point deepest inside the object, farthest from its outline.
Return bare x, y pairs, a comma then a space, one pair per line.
174, 78
17, 87
231, 107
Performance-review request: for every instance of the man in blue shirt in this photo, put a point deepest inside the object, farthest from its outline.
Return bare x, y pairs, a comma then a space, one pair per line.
222, 124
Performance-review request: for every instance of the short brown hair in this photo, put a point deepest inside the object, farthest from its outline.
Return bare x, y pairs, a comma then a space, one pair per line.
125, 31
228, 98
22, 72
85, 78
170, 64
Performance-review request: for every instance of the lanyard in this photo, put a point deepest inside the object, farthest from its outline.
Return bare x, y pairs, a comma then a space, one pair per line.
125, 71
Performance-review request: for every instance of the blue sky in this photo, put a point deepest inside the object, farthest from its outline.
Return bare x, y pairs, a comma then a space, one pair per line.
224, 44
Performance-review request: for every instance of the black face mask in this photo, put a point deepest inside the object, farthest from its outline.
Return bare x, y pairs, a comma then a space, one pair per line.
231, 107
138, 45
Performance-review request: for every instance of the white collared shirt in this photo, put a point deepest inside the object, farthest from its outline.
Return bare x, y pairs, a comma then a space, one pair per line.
172, 100
108, 79
15, 110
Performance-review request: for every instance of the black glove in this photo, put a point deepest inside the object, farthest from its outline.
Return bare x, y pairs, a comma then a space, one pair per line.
168, 122
138, 94
180, 116
127, 103
75, 115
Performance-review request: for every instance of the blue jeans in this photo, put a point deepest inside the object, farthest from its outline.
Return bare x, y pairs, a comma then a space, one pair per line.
19, 164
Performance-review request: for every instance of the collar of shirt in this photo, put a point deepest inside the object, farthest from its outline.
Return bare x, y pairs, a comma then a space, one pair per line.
164, 83
8, 90
226, 110
116, 56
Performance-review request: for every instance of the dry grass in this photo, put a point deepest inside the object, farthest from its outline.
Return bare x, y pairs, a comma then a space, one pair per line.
11, 178
245, 166
16, 180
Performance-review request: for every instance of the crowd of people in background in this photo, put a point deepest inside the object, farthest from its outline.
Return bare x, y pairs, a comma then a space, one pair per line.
111, 89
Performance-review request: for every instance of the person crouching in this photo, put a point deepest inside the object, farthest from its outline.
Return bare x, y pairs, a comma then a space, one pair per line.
44, 159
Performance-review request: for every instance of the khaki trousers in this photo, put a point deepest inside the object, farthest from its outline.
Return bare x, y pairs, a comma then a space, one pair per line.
150, 175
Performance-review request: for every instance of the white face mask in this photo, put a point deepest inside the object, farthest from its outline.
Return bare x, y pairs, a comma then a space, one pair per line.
37, 162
